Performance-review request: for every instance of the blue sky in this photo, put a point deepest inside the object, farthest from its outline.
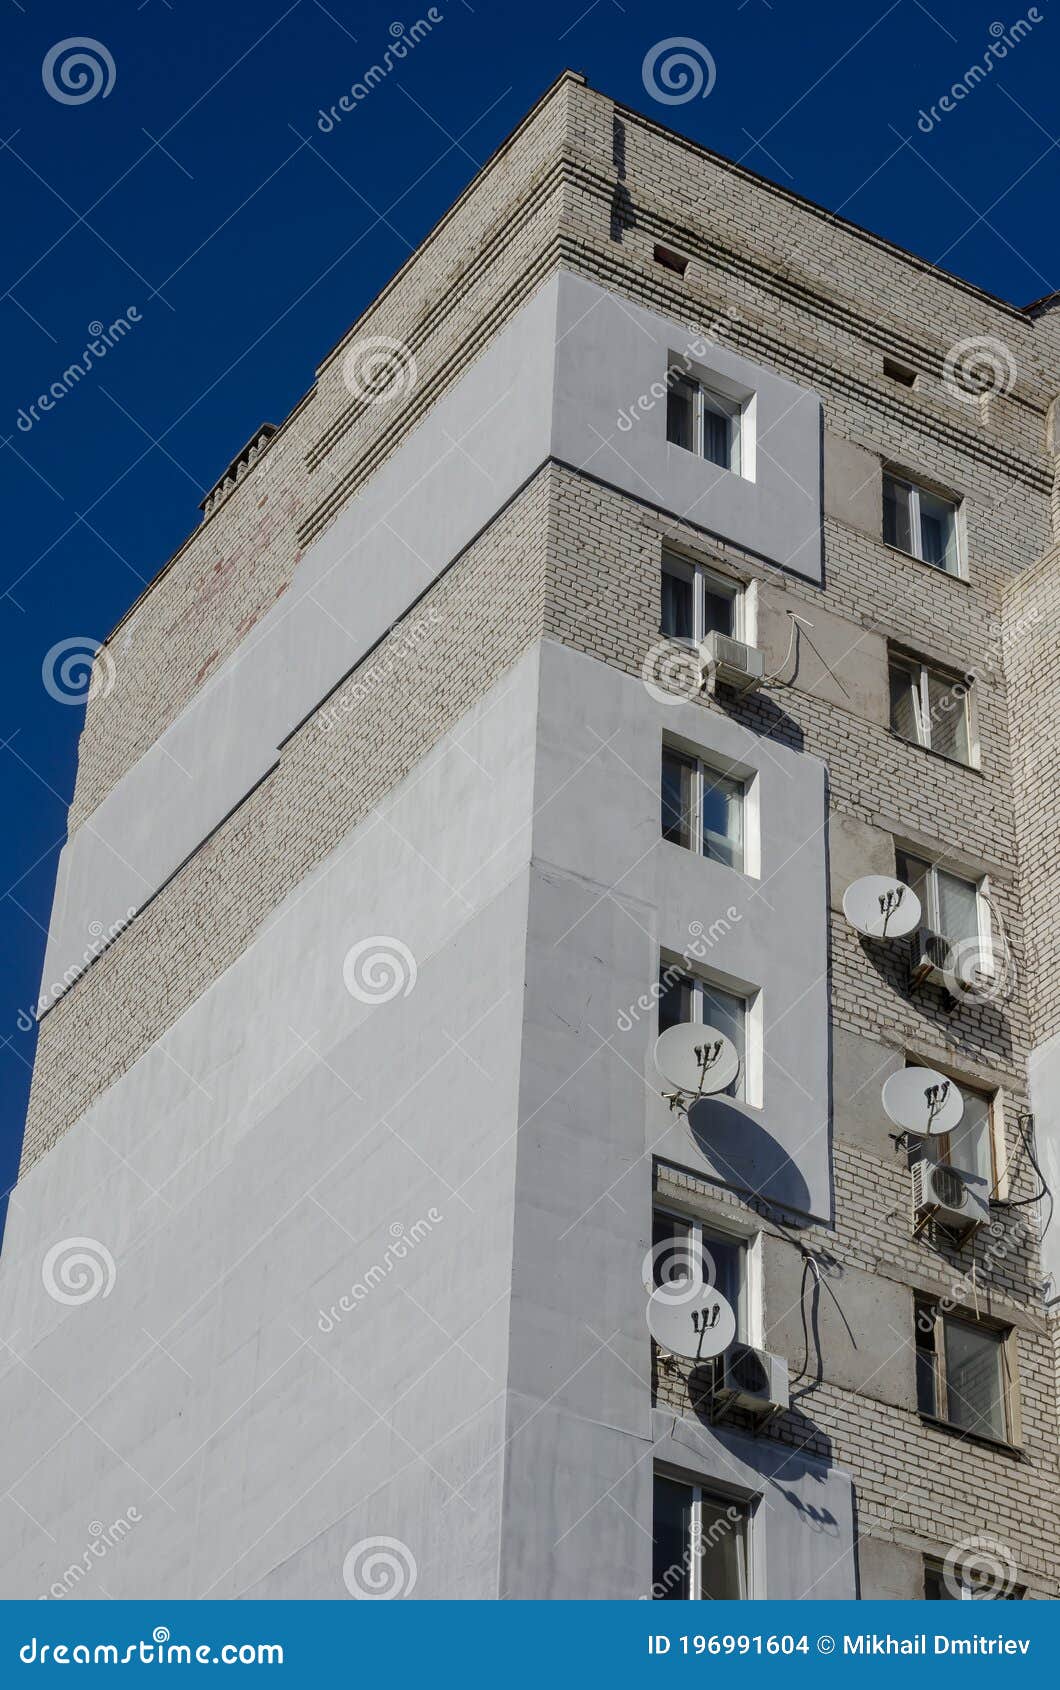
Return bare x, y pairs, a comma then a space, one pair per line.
197, 194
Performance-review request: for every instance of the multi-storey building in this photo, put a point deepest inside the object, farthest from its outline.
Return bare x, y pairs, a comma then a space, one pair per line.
407, 815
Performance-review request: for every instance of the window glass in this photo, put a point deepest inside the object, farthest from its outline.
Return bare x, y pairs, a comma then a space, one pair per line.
958, 907
719, 610
677, 603
947, 707
699, 1544
722, 818
728, 1013
968, 1146
926, 1362
675, 998
724, 1261
917, 875
938, 532
721, 1553
974, 1388
672, 1538
681, 413
897, 523
905, 703
678, 804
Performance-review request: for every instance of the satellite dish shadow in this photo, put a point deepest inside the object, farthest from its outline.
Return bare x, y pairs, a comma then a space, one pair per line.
891, 958
744, 1155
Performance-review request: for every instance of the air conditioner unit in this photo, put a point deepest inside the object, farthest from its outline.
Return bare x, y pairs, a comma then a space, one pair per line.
942, 1194
753, 1380
730, 663
930, 954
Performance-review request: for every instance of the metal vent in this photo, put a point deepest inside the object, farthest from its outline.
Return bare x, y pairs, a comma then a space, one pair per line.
748, 1372
733, 653
948, 1187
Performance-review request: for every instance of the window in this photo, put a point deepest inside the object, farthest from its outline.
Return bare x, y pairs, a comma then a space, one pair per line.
678, 1242
920, 523
970, 1146
951, 905
704, 421
684, 998
930, 707
696, 602
968, 1584
702, 809
962, 1372
700, 1544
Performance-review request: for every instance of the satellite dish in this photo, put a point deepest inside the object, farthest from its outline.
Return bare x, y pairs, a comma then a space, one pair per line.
696, 1059
688, 1318
881, 907
921, 1101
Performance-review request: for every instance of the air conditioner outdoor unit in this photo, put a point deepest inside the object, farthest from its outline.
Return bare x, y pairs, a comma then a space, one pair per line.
941, 1193
753, 1380
730, 663
930, 953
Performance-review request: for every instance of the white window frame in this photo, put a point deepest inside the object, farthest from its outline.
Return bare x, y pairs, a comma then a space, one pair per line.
704, 580
700, 1489
749, 1088
920, 669
700, 768
931, 914
916, 535
749, 1321
714, 392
